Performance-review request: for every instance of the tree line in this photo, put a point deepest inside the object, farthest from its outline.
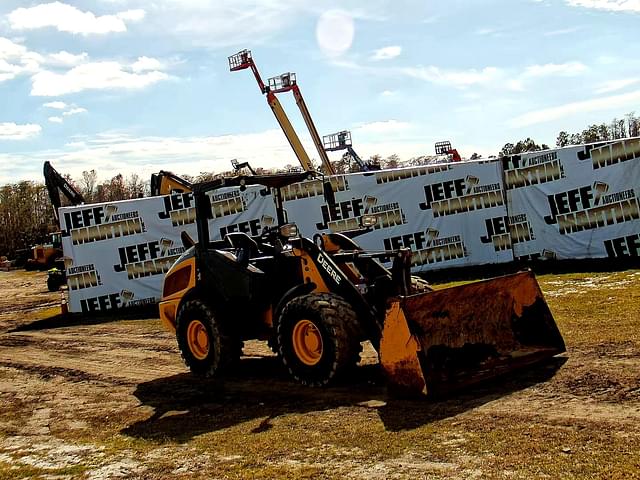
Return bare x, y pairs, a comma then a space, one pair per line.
26, 213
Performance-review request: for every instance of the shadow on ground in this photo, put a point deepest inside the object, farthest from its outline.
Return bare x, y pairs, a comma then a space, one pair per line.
186, 406
78, 319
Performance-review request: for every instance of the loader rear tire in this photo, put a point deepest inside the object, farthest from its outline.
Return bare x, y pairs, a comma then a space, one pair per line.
318, 338
204, 346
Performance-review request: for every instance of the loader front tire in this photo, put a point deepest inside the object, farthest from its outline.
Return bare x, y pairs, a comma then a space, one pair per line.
318, 338
205, 348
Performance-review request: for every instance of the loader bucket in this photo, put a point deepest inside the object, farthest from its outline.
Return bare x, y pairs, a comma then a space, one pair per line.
439, 341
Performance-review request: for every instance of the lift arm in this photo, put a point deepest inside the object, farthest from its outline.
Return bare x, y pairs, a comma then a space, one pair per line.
164, 183
342, 141
56, 183
243, 60
287, 82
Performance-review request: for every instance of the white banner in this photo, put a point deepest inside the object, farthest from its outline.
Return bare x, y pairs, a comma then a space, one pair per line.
441, 212
116, 253
575, 202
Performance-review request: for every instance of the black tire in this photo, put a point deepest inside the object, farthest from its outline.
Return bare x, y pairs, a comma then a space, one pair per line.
337, 324
222, 350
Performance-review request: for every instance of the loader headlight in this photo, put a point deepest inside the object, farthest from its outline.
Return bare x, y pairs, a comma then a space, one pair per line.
290, 230
368, 220
176, 281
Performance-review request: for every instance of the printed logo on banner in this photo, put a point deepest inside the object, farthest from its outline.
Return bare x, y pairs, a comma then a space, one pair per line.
590, 207
81, 276
313, 188
522, 172
611, 154
427, 247
621, 247
93, 224
147, 258
345, 215
114, 301
460, 196
250, 227
180, 208
388, 176
504, 232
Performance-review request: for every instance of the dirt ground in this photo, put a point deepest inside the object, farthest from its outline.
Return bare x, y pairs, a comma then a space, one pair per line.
110, 398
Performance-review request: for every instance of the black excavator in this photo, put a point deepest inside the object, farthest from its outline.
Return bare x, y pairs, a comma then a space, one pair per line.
49, 255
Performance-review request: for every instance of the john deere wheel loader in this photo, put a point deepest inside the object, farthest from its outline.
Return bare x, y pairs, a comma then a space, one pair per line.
318, 300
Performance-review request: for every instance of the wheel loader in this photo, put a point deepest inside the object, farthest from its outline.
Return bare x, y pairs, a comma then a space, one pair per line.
316, 301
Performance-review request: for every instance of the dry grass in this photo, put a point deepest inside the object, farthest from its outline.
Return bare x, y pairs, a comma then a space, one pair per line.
575, 420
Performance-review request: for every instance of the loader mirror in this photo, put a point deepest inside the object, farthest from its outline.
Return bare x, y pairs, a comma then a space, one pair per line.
329, 196
289, 230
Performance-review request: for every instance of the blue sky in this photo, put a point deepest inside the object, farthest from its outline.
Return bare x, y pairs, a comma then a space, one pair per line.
133, 86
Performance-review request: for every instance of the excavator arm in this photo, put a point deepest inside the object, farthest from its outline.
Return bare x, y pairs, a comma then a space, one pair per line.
164, 183
56, 183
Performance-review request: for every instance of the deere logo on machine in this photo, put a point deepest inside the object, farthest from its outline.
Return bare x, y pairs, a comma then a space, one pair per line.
503, 232
313, 188
611, 154
180, 208
531, 170
94, 224
460, 195
427, 247
147, 258
343, 216
590, 207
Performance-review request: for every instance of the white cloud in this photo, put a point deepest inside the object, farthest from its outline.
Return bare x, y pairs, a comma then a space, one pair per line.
454, 78
66, 58
387, 53
55, 119
594, 105
144, 64
92, 76
609, 5
384, 127
74, 111
12, 131
614, 85
58, 105
67, 18
555, 69
15, 60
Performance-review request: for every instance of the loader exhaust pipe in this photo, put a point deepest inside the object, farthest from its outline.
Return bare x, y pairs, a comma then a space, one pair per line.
440, 341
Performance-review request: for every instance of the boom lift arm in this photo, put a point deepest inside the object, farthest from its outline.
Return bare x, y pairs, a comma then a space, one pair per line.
243, 60
56, 183
445, 148
342, 141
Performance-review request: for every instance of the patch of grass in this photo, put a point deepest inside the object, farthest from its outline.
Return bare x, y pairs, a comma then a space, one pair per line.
19, 471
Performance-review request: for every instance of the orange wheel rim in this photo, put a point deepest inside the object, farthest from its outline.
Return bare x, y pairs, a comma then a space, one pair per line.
198, 339
307, 342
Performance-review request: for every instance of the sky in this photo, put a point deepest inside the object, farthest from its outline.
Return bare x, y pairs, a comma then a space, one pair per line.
138, 86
